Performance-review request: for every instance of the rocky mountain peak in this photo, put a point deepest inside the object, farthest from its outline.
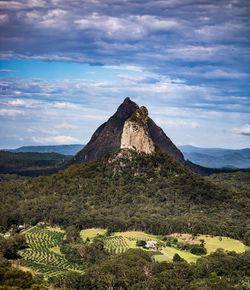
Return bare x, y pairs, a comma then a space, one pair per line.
129, 128
126, 109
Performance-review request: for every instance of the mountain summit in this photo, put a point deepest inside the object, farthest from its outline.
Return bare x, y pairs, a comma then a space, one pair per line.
129, 128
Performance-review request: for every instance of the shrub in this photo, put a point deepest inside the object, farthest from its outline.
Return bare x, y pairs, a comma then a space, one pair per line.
178, 258
198, 250
140, 243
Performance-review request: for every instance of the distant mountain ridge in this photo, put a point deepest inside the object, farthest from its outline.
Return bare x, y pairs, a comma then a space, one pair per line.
71, 149
217, 157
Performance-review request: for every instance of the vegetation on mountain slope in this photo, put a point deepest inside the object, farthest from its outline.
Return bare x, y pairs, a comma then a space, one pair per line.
30, 163
142, 192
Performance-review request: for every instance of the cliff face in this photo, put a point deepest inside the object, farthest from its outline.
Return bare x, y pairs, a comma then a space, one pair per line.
129, 128
135, 134
107, 138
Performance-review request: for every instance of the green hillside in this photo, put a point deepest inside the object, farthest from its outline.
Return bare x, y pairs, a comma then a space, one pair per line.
27, 163
148, 193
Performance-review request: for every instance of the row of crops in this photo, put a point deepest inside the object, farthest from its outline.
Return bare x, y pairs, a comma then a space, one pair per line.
116, 245
40, 255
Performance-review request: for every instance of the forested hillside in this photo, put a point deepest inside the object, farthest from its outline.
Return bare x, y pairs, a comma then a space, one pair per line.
134, 191
31, 163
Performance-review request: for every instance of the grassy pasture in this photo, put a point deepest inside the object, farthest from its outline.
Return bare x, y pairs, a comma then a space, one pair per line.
213, 243
92, 233
169, 252
44, 255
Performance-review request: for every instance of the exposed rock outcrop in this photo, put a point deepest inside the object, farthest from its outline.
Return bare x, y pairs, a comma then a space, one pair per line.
135, 134
129, 128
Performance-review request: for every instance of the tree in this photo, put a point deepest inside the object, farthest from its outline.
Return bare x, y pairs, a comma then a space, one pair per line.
141, 243
198, 250
178, 258
10, 246
72, 233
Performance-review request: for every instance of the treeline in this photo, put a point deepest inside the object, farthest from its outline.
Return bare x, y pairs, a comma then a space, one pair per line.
149, 193
31, 164
135, 270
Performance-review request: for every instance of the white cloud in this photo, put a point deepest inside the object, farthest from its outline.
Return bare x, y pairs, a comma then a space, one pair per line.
119, 28
66, 126
126, 67
17, 5
54, 18
16, 103
132, 27
195, 52
6, 70
4, 18
175, 123
224, 74
10, 112
60, 139
244, 130
220, 31
25, 103
64, 105
156, 23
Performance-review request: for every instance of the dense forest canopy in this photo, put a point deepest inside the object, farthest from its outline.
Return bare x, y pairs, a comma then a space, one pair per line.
31, 163
135, 191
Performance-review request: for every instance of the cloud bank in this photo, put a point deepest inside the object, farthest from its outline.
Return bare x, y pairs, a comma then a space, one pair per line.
187, 60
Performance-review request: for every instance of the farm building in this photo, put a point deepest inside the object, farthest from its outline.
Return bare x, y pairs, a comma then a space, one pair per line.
151, 244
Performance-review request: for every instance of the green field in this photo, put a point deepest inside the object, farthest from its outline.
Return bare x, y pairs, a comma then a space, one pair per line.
43, 255
212, 243
169, 252
92, 233
119, 242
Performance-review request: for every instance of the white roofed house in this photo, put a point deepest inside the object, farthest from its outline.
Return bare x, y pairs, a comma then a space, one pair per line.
151, 244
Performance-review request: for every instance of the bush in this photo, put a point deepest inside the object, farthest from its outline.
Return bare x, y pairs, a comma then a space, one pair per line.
10, 247
141, 243
178, 258
198, 250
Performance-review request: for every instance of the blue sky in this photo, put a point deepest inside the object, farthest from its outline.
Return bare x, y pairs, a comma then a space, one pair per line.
66, 66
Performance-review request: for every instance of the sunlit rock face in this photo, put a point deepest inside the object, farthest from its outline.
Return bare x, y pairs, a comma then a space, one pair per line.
135, 134
129, 128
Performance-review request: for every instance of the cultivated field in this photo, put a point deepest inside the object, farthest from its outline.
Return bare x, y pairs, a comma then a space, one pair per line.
43, 255
119, 242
